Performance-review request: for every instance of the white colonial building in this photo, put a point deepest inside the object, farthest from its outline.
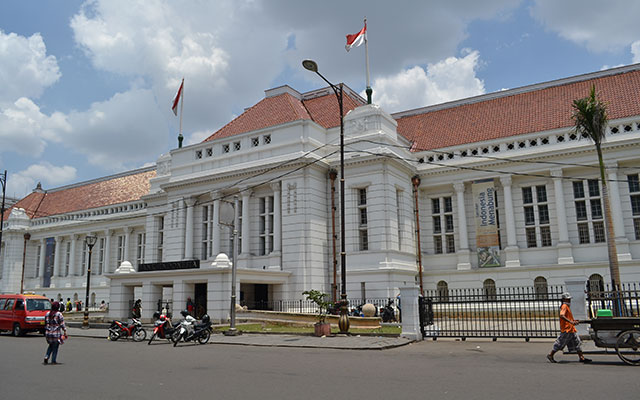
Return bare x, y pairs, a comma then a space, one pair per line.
499, 189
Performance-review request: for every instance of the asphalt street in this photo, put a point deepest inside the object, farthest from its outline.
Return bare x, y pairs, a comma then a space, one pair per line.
445, 369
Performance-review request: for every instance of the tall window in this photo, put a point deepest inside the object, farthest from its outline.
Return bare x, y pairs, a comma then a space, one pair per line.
442, 289
67, 258
207, 231
442, 215
265, 229
120, 250
634, 191
101, 244
160, 222
588, 211
399, 215
536, 216
85, 254
489, 287
363, 234
541, 287
142, 237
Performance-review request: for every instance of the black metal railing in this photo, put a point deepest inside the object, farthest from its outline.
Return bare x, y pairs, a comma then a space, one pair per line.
516, 312
308, 306
622, 303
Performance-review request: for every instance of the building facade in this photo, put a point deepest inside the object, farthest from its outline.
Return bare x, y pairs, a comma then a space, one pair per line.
498, 188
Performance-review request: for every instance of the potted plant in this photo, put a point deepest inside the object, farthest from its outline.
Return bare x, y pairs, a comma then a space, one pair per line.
322, 328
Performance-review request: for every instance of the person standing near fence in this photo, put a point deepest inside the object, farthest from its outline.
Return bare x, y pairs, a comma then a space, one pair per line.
55, 332
568, 332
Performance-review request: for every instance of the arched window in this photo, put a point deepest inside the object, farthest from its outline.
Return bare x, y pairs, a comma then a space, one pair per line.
75, 297
93, 299
443, 291
595, 283
541, 288
489, 286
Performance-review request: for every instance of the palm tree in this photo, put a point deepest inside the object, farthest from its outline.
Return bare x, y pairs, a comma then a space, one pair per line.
590, 116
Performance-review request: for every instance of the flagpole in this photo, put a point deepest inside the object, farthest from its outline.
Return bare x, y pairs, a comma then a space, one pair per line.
180, 137
366, 54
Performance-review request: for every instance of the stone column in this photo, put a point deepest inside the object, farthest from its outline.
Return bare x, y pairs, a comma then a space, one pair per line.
43, 254
464, 257
216, 224
188, 245
512, 252
56, 258
107, 248
246, 235
622, 243
127, 242
576, 287
72, 257
277, 218
565, 252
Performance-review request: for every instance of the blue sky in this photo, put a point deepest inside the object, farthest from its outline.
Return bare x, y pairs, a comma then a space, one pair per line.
87, 85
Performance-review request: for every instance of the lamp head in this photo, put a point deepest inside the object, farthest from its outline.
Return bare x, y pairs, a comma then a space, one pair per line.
90, 239
310, 65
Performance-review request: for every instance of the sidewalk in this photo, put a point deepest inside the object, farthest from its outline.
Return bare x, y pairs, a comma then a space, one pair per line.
355, 342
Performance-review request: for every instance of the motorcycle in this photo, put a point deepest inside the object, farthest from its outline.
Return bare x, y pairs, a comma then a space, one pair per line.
190, 329
162, 328
388, 312
119, 329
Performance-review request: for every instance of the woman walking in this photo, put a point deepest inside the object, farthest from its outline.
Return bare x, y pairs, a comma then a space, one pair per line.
55, 332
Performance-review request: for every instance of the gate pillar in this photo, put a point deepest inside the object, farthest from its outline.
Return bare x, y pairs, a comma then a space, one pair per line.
410, 314
576, 288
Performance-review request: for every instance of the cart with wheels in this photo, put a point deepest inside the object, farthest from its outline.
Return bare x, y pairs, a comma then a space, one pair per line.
619, 333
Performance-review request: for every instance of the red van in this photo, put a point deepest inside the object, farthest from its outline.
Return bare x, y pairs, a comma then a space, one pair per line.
22, 313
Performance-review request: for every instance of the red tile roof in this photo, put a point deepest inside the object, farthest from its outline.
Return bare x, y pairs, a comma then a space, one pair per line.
519, 111
283, 108
108, 191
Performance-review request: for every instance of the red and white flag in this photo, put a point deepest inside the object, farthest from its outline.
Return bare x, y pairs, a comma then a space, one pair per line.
356, 40
174, 107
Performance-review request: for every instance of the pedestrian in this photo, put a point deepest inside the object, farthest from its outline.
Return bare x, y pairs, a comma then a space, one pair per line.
69, 305
55, 332
137, 309
568, 332
190, 306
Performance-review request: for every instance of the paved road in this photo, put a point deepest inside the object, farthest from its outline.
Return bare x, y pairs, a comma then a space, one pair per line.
99, 369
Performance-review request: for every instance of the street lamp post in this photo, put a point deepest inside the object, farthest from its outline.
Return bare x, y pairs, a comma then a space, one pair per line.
90, 241
3, 182
343, 322
232, 312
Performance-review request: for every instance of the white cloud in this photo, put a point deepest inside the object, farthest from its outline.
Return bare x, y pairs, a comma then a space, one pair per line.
26, 130
635, 50
599, 25
25, 70
120, 132
22, 183
450, 79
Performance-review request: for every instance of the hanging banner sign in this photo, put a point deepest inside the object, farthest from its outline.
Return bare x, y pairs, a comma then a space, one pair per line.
487, 235
49, 260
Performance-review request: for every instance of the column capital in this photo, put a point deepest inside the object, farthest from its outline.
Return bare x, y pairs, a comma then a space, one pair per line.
556, 173
246, 192
611, 164
505, 180
108, 232
75, 236
128, 229
459, 186
215, 195
275, 186
190, 201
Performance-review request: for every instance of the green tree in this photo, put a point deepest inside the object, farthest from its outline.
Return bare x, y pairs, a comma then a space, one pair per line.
590, 116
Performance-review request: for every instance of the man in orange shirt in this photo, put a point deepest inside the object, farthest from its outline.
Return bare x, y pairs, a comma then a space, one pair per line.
568, 333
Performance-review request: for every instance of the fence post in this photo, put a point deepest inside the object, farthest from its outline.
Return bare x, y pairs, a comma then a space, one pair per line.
410, 314
576, 288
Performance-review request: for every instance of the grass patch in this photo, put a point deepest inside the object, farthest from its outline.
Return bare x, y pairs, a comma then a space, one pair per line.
296, 329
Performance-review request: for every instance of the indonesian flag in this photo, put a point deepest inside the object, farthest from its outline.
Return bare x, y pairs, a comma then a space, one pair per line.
174, 107
356, 39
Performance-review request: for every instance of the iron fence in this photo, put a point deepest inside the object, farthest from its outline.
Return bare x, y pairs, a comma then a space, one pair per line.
309, 307
622, 303
516, 312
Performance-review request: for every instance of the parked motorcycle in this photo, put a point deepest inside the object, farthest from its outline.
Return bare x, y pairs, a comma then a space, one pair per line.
119, 329
191, 330
388, 312
162, 327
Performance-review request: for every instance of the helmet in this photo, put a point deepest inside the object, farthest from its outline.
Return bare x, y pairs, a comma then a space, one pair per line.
156, 315
162, 317
184, 313
206, 319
